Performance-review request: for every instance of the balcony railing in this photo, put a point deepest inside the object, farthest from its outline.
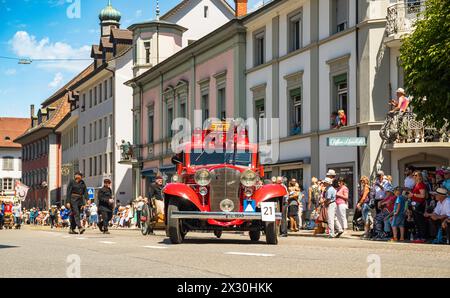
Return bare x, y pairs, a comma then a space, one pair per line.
406, 128
131, 154
402, 16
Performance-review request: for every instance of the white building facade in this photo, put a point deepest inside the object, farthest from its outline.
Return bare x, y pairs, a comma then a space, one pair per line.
11, 153
309, 59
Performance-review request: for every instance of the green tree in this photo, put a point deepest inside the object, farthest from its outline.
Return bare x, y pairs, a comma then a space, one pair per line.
425, 56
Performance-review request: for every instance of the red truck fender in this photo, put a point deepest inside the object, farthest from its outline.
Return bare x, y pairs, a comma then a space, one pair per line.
269, 191
181, 190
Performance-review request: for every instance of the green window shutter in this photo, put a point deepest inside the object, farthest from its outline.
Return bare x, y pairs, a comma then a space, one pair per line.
259, 103
340, 78
296, 92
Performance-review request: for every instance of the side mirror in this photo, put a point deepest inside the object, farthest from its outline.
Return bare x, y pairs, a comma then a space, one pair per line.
176, 160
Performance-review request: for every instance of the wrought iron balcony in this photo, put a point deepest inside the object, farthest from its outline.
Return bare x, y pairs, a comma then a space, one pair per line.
402, 16
406, 128
131, 154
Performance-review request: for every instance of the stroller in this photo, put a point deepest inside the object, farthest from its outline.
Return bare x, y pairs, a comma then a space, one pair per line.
358, 222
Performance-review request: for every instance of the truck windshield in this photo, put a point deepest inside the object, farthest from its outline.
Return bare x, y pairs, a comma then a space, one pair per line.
238, 158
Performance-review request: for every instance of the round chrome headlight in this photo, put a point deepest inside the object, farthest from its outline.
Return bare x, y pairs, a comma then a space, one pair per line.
226, 205
175, 178
203, 191
202, 177
249, 178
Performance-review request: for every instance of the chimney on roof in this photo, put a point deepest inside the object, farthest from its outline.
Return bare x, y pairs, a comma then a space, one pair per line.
32, 111
241, 7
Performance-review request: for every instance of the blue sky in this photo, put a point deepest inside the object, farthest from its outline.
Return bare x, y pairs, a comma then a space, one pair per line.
42, 29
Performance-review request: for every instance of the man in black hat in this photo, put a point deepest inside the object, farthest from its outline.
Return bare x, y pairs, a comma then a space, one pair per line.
77, 194
155, 193
105, 206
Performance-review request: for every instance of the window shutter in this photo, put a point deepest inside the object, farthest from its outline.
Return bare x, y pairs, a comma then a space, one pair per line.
340, 78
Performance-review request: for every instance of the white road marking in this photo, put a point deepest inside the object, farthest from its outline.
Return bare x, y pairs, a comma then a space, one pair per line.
81, 238
156, 247
249, 254
65, 237
107, 242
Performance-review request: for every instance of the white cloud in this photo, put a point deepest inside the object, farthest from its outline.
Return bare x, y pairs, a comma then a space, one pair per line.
11, 72
56, 80
25, 45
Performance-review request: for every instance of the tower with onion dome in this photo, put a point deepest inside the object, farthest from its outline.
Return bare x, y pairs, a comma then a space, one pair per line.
109, 19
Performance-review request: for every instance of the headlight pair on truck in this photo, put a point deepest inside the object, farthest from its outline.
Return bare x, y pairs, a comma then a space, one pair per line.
248, 178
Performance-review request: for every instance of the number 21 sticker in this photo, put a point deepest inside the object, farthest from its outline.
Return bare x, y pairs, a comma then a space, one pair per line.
268, 211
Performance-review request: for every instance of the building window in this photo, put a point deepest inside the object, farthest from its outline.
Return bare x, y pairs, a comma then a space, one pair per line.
95, 130
8, 163
100, 164
295, 32
84, 166
84, 135
340, 101
260, 115
100, 90
100, 128
151, 123
105, 91
205, 107
183, 110
259, 47
105, 121
111, 87
205, 12
110, 162
75, 135
221, 104
90, 98
83, 105
293, 173
339, 14
95, 166
90, 166
169, 122
95, 95
90, 132
111, 125
106, 163
147, 52
295, 98
7, 184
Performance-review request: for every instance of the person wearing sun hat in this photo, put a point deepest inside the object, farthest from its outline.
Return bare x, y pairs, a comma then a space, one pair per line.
440, 215
330, 202
401, 103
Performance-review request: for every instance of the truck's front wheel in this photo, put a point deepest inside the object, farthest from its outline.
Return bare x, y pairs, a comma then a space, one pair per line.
174, 225
271, 232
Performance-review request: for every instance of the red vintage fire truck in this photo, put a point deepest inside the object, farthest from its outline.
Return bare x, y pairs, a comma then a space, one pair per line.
218, 187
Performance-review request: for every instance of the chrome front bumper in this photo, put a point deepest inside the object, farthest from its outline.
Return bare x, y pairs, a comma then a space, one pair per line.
220, 215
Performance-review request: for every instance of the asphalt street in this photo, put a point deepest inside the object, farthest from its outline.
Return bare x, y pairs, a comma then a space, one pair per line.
32, 252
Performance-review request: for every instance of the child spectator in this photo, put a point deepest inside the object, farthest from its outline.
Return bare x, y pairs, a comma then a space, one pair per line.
342, 118
398, 217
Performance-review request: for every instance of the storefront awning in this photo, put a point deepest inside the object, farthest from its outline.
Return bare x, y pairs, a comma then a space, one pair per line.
150, 172
167, 169
301, 161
